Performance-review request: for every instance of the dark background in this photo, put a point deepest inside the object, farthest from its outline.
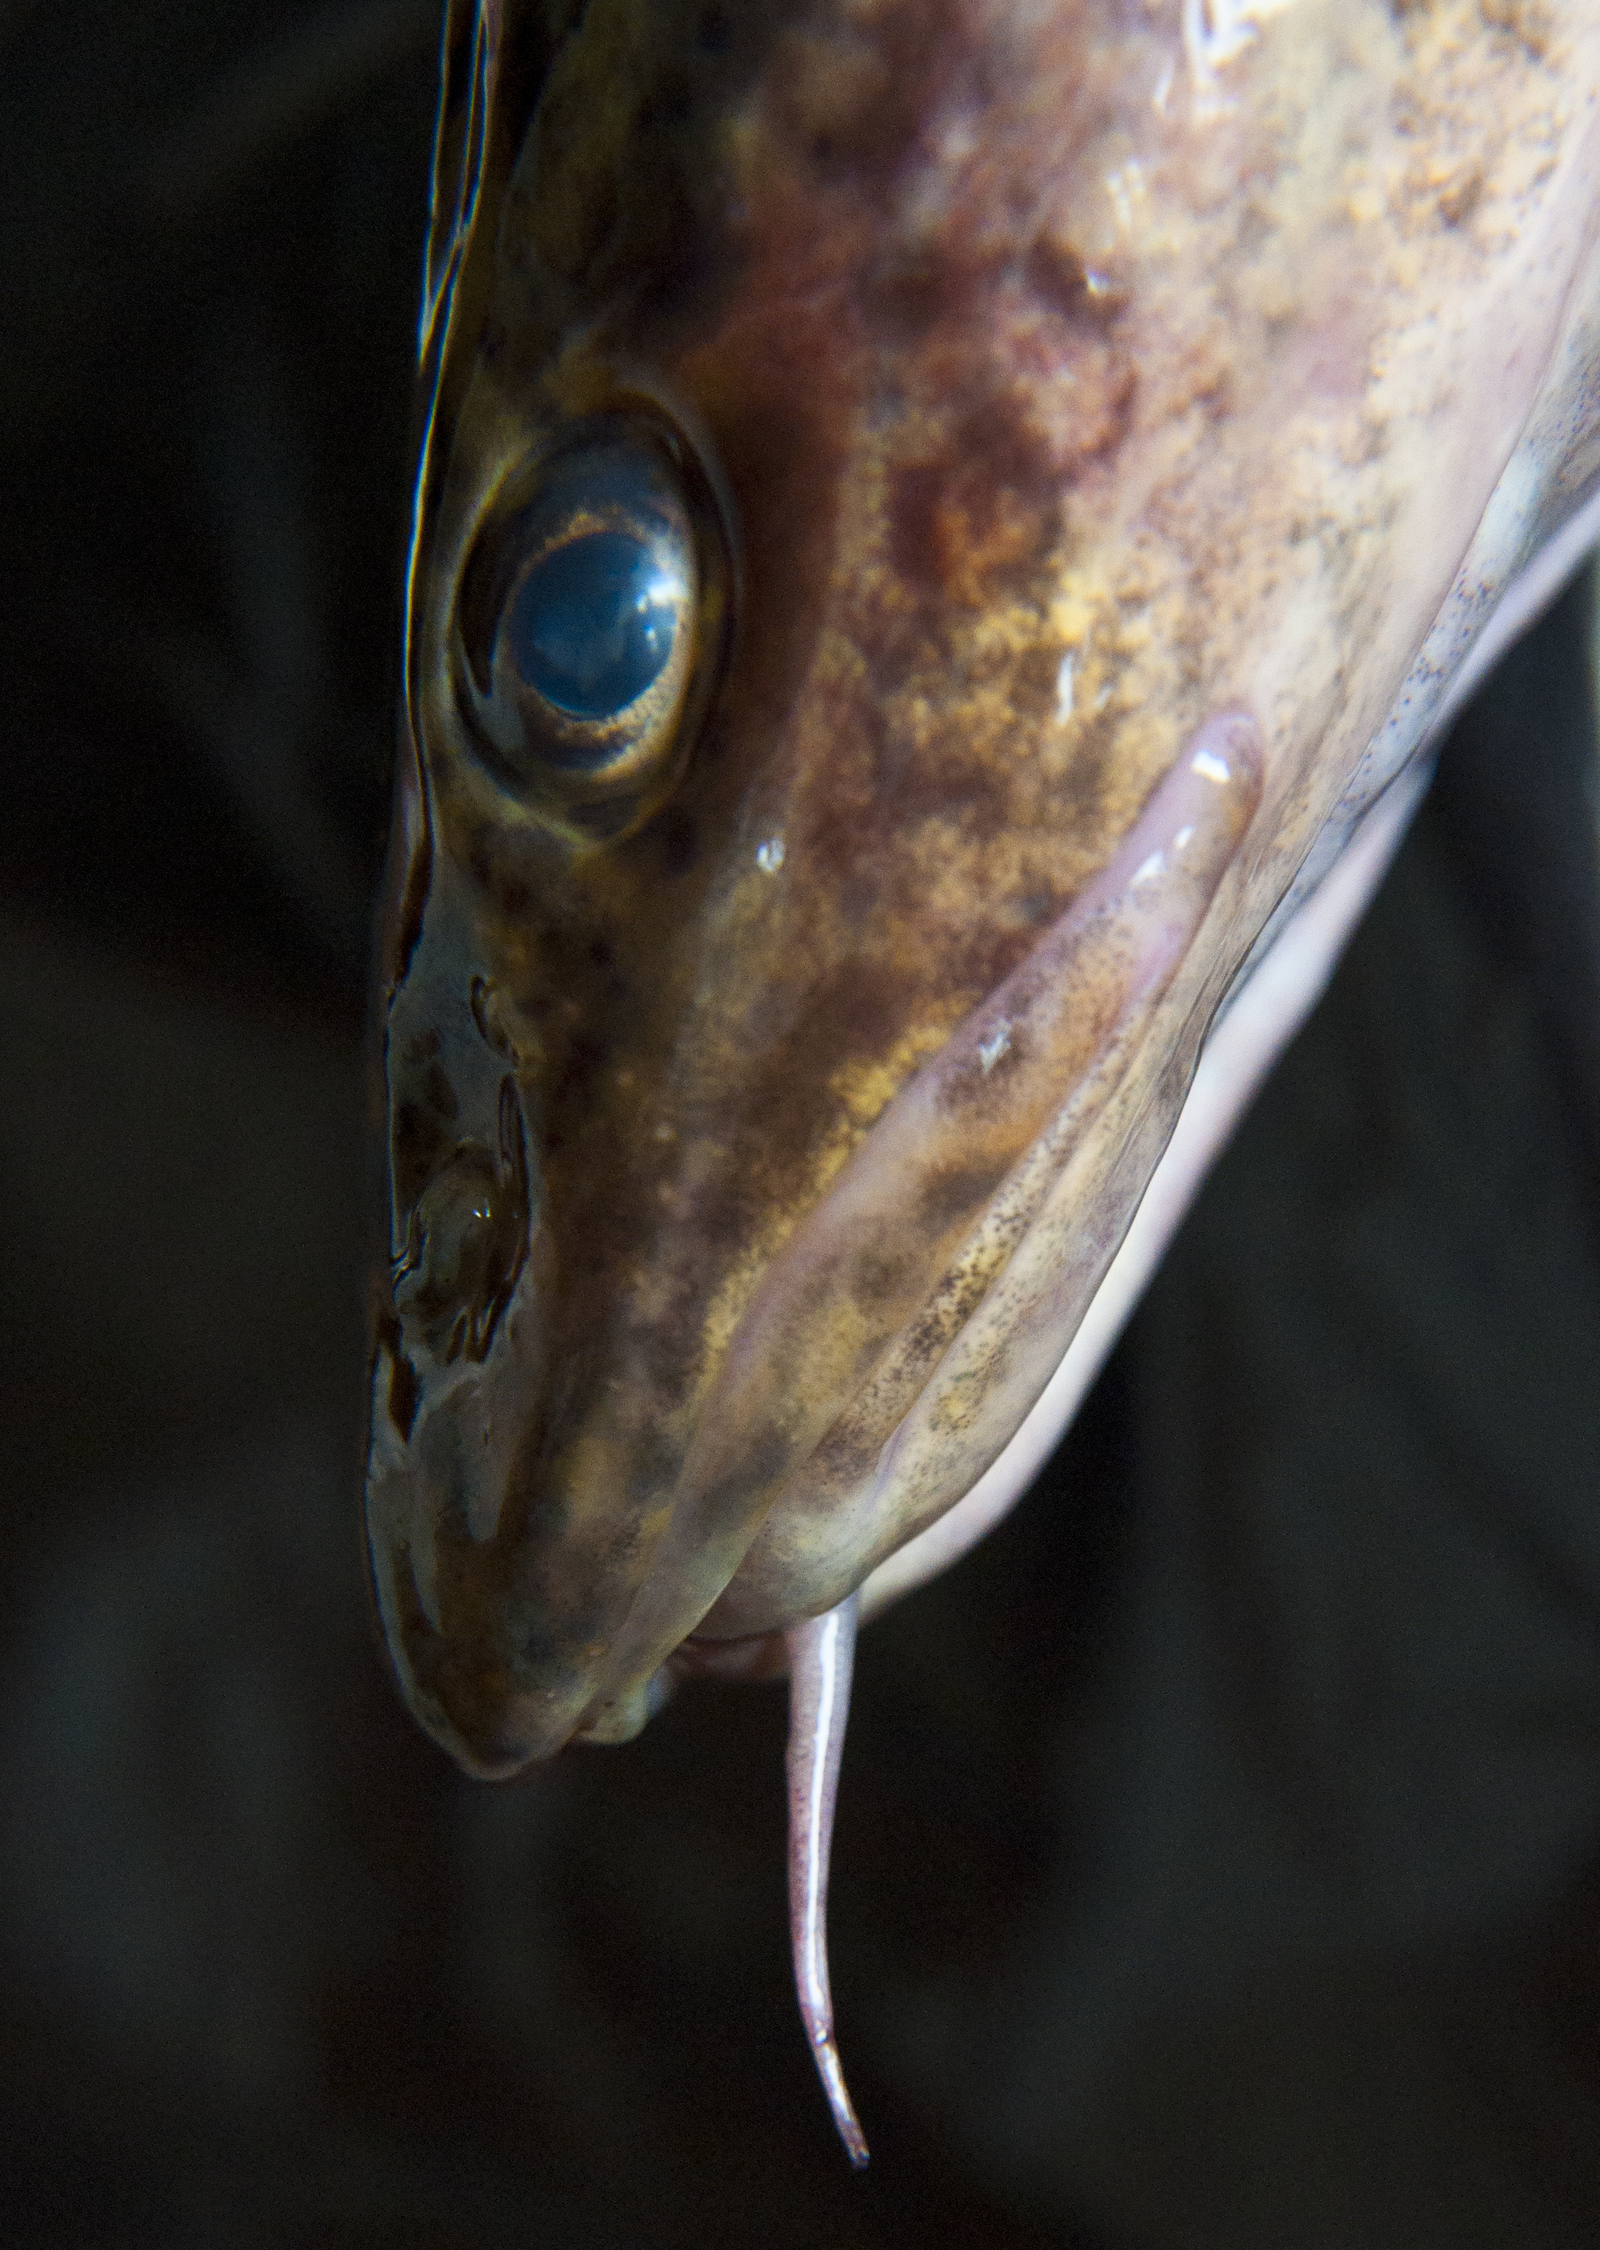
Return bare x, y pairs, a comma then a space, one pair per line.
1219, 1852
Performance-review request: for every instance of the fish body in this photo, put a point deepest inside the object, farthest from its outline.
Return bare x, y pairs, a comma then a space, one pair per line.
936, 525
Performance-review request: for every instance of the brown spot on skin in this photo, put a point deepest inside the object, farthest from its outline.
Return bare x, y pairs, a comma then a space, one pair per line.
947, 1193
909, 292
1527, 22
876, 1280
856, 99
1006, 514
1461, 198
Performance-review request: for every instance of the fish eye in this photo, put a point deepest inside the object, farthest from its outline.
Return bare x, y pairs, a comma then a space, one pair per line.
595, 622
590, 624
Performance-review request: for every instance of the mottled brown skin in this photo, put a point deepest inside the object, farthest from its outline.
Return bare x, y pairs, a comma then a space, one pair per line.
994, 341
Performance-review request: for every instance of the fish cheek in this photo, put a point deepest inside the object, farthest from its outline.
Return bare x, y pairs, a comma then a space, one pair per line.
1037, 1100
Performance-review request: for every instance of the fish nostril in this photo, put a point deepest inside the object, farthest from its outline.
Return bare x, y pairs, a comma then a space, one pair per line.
466, 1243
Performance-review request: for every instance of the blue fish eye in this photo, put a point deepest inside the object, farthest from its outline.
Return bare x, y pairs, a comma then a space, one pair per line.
592, 625
591, 620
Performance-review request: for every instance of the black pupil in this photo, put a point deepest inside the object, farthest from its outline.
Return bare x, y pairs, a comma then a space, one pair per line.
592, 625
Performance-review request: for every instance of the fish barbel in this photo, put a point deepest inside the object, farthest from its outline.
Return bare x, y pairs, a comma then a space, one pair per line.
943, 529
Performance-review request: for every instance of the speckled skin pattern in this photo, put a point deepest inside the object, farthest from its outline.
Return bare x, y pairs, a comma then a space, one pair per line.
1052, 379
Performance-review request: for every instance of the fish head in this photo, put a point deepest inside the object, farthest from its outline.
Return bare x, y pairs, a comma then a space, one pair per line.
927, 513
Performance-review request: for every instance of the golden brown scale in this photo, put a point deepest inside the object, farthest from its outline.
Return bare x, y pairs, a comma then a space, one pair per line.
1057, 386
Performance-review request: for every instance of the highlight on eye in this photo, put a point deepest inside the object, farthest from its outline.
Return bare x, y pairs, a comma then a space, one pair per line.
596, 622
590, 621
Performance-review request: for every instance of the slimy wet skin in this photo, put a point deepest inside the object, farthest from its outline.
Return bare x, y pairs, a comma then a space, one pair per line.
929, 518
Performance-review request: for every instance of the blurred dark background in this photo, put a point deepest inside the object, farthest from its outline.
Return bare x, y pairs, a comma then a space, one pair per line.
1219, 1852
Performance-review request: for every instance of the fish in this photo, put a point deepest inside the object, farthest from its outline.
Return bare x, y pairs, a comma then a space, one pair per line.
945, 533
